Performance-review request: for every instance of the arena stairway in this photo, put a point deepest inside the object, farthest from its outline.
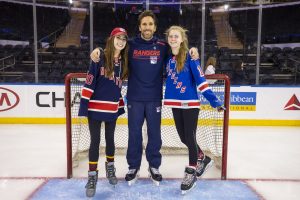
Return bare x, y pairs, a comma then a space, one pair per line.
72, 32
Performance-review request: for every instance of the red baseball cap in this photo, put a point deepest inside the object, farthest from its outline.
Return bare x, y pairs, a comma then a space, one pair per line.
118, 31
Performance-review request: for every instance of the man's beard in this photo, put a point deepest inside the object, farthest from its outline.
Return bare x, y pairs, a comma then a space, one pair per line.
148, 35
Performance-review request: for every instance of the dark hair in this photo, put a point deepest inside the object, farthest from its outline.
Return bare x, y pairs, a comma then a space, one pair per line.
109, 58
147, 13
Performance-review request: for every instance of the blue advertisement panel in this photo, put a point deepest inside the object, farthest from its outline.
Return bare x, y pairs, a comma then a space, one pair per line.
239, 101
243, 101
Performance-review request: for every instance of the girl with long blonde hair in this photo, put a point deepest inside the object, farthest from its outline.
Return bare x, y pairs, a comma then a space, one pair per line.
185, 79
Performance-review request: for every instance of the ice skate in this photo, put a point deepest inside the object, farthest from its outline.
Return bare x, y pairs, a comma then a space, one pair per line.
189, 180
203, 165
155, 176
132, 176
111, 173
92, 183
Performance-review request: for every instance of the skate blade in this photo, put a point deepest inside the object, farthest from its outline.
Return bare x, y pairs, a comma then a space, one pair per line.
133, 180
209, 165
183, 192
154, 181
90, 193
113, 183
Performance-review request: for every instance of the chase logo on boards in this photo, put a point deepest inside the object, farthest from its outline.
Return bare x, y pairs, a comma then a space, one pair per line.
239, 101
292, 104
47, 99
8, 99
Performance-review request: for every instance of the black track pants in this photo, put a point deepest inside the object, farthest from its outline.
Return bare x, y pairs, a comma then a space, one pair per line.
186, 124
95, 127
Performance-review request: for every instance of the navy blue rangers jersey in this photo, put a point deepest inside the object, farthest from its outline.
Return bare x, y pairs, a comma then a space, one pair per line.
146, 63
182, 88
101, 96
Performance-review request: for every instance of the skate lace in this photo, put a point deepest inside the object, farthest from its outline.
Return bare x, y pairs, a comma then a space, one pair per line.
92, 181
110, 171
200, 165
154, 170
188, 178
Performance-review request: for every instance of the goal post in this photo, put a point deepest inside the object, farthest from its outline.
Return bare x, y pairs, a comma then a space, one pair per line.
212, 130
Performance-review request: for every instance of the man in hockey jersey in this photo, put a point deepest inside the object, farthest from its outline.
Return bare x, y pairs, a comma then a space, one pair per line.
101, 101
147, 57
184, 79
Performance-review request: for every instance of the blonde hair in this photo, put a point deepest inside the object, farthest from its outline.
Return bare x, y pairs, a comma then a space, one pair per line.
211, 61
183, 50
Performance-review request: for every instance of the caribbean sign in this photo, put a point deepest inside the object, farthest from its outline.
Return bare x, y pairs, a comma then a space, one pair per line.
239, 101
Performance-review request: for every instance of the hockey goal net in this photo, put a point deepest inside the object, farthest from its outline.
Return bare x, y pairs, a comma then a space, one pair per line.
212, 131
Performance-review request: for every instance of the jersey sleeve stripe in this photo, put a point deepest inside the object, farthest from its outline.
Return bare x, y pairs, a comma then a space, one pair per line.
86, 93
203, 86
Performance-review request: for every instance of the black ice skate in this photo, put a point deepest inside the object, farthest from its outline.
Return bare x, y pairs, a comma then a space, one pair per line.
203, 165
92, 183
155, 175
111, 173
132, 176
189, 180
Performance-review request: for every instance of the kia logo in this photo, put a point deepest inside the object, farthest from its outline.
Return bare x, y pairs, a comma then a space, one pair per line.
8, 99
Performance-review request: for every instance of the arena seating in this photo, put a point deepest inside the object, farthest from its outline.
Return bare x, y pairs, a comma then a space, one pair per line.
277, 65
17, 21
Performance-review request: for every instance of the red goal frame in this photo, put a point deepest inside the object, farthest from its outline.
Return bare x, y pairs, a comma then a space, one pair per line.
223, 77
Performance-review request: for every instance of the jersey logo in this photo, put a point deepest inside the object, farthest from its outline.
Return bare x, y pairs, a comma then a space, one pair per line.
173, 75
89, 79
139, 53
153, 59
170, 72
175, 80
183, 89
179, 84
200, 71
